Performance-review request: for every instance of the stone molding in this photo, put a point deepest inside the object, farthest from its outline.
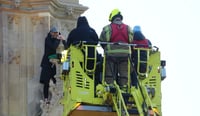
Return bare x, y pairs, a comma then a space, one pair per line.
25, 5
64, 10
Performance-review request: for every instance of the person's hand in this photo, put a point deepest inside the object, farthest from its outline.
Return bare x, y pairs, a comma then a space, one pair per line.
60, 37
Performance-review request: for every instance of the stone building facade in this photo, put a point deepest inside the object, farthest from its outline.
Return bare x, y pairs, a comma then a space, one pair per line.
24, 26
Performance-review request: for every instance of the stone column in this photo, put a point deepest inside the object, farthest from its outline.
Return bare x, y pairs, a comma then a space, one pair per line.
24, 26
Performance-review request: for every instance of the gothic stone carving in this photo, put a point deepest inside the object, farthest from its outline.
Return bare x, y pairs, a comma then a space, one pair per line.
13, 19
37, 20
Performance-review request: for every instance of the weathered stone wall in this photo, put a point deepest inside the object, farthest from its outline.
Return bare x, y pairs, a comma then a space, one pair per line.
24, 26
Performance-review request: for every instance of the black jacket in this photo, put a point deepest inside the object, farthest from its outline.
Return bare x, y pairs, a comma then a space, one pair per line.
50, 48
83, 32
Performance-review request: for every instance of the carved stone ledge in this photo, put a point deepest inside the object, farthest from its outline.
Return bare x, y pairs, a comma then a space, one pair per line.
25, 5
66, 10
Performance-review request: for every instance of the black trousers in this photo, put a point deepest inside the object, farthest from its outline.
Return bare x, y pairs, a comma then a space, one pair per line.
47, 73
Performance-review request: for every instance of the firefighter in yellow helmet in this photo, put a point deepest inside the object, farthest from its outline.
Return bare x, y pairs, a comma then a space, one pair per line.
115, 13
117, 55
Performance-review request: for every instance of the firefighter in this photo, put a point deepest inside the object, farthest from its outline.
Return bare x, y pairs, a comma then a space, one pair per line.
116, 55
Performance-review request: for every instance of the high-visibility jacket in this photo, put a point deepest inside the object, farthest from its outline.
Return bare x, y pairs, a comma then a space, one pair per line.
117, 33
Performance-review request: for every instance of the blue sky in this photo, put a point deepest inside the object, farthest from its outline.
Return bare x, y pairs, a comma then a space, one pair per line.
174, 27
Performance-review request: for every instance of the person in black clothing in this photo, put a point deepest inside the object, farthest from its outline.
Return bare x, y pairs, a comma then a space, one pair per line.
48, 69
82, 32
